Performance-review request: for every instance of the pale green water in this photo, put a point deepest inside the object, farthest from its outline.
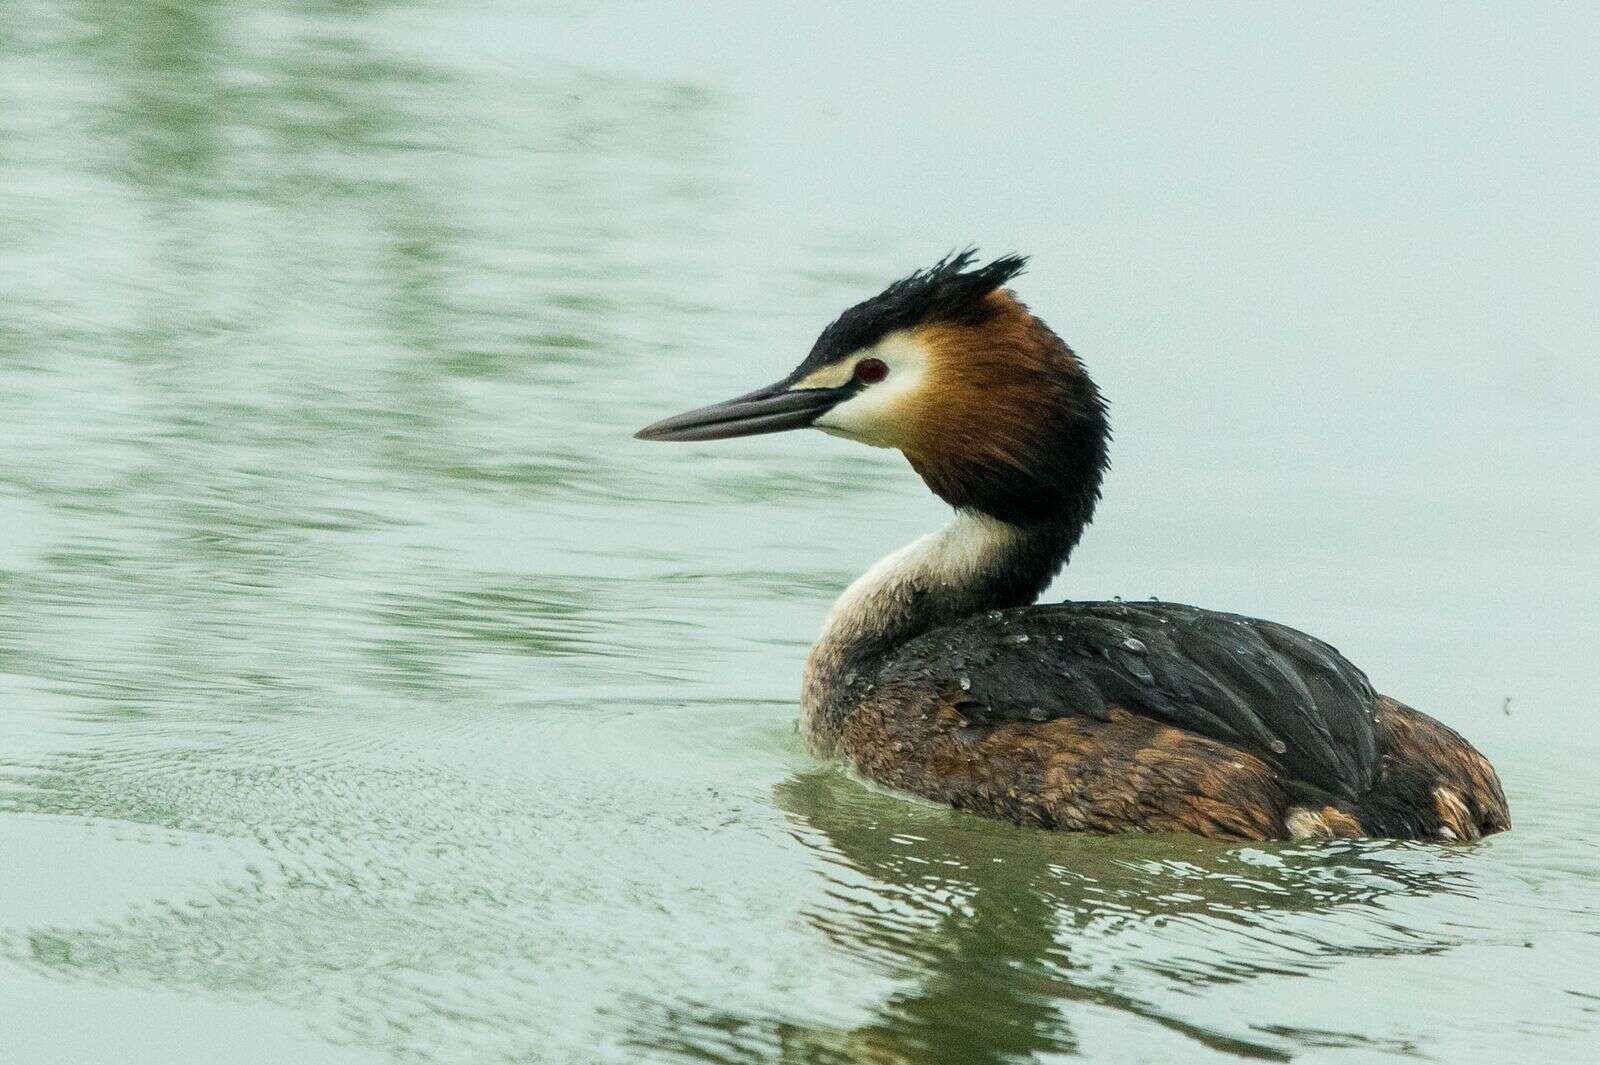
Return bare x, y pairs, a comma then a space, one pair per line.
367, 695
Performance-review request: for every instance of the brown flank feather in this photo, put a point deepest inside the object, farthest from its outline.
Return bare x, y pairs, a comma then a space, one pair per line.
1129, 772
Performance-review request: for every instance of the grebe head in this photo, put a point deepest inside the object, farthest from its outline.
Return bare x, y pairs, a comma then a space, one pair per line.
993, 411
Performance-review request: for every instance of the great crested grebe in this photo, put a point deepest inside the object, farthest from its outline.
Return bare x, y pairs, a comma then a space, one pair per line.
934, 675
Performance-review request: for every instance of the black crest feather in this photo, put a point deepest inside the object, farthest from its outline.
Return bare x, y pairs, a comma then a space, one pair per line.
949, 290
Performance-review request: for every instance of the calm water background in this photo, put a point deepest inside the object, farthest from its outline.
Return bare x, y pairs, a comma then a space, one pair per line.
367, 695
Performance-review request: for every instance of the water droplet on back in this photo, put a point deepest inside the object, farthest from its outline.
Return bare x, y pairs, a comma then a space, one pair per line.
1135, 645
1278, 746
966, 684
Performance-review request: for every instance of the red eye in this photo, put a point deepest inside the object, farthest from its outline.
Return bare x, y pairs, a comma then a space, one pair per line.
871, 371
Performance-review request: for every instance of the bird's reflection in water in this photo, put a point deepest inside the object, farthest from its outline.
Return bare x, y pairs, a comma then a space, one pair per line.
1002, 934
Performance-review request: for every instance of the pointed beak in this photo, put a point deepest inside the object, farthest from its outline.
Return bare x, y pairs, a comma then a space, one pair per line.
773, 409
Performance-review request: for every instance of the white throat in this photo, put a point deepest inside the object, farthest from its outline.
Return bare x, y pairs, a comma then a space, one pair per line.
932, 581
947, 559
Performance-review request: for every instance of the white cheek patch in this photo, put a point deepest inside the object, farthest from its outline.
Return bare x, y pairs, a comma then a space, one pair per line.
878, 414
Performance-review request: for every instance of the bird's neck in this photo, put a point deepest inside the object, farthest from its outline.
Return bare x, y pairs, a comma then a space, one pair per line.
975, 563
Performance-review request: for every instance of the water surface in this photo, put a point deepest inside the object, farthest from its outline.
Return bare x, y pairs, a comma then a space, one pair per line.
369, 696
